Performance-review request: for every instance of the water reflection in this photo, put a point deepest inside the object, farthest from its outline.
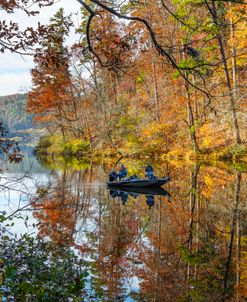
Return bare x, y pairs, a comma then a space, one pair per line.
149, 193
139, 247
19, 182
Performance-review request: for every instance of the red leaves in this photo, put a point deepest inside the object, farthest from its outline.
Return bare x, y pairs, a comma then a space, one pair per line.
11, 37
51, 78
10, 5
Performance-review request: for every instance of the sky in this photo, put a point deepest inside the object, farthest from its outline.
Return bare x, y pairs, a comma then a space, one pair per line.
15, 69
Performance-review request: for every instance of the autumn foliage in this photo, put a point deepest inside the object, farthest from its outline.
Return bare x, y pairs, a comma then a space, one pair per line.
145, 88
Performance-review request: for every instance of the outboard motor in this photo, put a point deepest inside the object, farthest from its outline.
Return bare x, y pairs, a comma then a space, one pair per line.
113, 175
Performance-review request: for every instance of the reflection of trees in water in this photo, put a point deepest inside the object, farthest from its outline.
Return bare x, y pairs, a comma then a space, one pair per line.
61, 206
192, 248
115, 227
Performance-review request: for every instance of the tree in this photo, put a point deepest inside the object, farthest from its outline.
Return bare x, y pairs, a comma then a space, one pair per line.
194, 70
51, 78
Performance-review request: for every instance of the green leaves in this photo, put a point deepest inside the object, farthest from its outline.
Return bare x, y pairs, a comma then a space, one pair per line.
38, 270
141, 78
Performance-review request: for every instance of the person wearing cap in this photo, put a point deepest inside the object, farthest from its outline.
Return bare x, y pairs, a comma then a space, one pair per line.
122, 172
149, 171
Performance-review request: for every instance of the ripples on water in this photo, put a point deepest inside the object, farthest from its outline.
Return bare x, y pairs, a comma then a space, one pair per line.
187, 243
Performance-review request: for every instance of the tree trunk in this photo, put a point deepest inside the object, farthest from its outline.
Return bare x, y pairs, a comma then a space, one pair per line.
227, 77
191, 120
156, 96
232, 235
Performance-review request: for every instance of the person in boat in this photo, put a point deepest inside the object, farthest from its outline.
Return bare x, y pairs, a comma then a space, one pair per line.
113, 175
149, 171
122, 172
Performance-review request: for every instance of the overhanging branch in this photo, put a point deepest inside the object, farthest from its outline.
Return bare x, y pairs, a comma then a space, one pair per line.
156, 44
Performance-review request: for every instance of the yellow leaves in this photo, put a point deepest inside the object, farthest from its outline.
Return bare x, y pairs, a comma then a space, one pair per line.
173, 154
154, 135
155, 129
207, 142
243, 271
238, 38
207, 191
208, 181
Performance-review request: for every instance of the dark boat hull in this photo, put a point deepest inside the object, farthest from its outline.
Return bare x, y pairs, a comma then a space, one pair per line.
141, 190
140, 183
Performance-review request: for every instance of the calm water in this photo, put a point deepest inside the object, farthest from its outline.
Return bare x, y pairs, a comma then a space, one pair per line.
187, 244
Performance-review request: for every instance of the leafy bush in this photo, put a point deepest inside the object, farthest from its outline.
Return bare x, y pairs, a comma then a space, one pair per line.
75, 147
34, 270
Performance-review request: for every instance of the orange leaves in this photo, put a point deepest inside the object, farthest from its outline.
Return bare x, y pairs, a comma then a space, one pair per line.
50, 90
155, 129
56, 218
51, 77
111, 42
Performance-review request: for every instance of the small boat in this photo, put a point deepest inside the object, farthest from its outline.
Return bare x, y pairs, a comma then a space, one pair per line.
137, 182
116, 191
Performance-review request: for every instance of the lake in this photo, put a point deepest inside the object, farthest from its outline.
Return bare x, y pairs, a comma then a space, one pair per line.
187, 243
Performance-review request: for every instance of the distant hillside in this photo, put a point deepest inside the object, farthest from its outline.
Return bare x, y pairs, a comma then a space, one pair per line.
17, 122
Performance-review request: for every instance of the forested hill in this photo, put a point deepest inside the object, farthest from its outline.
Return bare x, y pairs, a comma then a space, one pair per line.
16, 121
